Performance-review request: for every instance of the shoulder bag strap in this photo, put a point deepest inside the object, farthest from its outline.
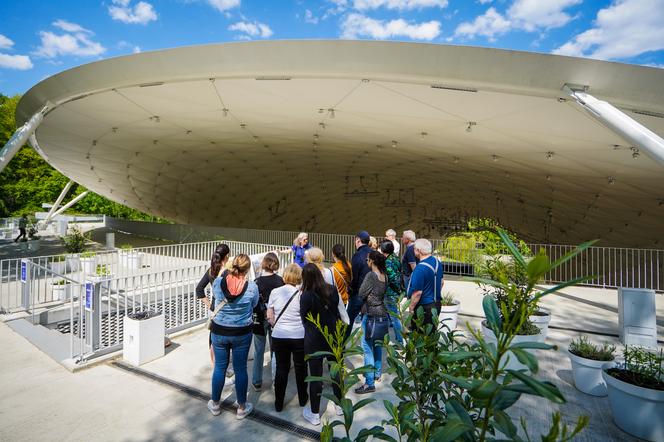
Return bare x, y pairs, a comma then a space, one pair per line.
340, 276
285, 307
435, 274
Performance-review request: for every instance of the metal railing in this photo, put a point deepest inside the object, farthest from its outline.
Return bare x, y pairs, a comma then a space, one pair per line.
96, 321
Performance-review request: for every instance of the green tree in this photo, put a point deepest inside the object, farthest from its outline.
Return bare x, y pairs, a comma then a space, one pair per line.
28, 180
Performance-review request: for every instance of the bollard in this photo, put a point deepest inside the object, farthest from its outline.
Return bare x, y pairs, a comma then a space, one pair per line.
26, 270
110, 240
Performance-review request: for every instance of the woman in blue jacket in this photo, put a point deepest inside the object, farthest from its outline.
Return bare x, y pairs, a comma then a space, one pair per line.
231, 329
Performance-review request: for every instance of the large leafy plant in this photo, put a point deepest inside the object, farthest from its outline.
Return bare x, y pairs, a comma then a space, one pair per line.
451, 388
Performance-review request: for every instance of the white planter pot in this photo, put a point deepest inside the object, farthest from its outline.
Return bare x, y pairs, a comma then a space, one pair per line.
143, 340
89, 265
131, 260
61, 292
59, 267
105, 282
449, 314
513, 363
73, 263
588, 375
541, 322
638, 411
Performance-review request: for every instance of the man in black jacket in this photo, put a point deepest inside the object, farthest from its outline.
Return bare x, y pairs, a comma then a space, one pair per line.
360, 270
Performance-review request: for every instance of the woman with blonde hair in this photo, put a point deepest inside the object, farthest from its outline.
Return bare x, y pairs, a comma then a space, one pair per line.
315, 256
373, 243
283, 314
299, 248
234, 300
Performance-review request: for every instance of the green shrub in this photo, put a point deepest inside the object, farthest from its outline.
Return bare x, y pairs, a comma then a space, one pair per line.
75, 241
126, 247
643, 367
447, 299
585, 349
103, 270
88, 254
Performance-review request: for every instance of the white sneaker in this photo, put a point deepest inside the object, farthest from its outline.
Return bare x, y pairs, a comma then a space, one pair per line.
214, 409
309, 416
338, 410
248, 408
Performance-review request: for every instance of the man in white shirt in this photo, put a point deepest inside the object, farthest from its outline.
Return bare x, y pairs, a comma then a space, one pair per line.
392, 236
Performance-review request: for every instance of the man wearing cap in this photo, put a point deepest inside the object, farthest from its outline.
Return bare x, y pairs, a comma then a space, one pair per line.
360, 270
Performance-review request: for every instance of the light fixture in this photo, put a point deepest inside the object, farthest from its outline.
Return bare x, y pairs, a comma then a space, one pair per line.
455, 160
155, 119
548, 177
494, 158
611, 180
315, 137
379, 146
549, 155
423, 135
255, 139
331, 113
321, 125
635, 152
188, 132
224, 111
394, 144
114, 129
243, 126
470, 126
94, 142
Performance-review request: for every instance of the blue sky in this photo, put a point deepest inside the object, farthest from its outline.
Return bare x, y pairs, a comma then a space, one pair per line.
39, 38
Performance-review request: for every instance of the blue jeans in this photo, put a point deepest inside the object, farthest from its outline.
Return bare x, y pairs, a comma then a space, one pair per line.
222, 352
396, 322
259, 353
373, 355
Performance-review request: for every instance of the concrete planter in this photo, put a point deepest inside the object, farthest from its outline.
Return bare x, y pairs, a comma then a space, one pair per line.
588, 375
59, 267
131, 260
89, 265
513, 363
73, 263
449, 314
541, 321
61, 292
636, 410
143, 339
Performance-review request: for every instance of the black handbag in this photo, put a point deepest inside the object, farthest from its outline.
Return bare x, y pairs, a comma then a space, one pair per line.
376, 328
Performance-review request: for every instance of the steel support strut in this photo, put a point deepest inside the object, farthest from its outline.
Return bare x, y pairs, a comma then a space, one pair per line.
619, 122
19, 138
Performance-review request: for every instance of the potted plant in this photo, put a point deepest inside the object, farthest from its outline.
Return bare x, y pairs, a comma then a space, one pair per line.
449, 310
636, 392
58, 264
130, 258
88, 262
587, 361
512, 294
61, 290
74, 243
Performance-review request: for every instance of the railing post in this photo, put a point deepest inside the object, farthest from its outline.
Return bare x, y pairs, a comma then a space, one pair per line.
92, 306
26, 283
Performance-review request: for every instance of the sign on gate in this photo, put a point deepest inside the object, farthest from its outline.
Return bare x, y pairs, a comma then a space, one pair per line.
24, 271
89, 294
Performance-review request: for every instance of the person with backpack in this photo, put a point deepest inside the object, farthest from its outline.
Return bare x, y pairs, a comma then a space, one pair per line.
321, 300
426, 283
375, 320
234, 300
283, 314
395, 290
266, 282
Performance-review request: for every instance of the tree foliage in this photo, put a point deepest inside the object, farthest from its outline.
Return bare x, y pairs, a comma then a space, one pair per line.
28, 180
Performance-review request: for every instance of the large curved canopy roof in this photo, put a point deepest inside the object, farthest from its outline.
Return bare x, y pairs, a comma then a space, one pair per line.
341, 135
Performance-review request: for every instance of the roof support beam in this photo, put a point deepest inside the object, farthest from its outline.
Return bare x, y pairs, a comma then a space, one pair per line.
58, 201
619, 122
19, 138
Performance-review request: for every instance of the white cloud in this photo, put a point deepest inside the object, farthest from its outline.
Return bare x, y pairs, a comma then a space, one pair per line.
357, 25
75, 41
309, 17
5, 43
20, 62
528, 15
255, 29
363, 5
224, 5
490, 24
142, 12
533, 14
136, 50
624, 29
484, 2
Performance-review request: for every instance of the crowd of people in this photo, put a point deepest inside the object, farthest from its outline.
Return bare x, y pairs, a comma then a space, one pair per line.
367, 288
